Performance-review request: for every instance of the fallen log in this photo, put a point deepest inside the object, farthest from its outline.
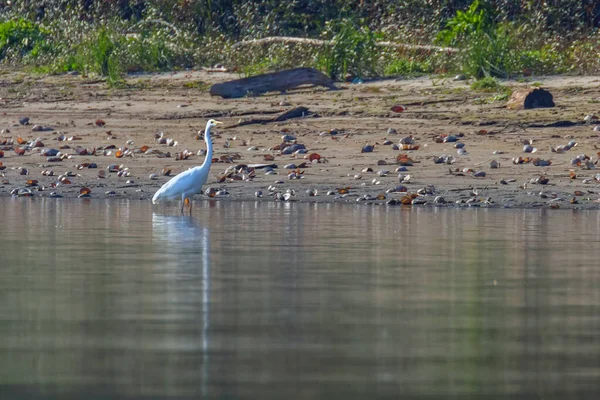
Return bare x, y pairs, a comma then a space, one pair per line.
318, 42
296, 112
274, 81
530, 98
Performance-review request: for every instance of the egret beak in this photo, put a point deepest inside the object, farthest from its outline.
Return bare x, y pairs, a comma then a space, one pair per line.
217, 122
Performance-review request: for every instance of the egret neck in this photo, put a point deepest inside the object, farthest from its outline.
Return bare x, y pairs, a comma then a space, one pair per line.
209, 147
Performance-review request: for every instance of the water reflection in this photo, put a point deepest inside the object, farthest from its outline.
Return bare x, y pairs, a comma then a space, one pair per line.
266, 300
182, 236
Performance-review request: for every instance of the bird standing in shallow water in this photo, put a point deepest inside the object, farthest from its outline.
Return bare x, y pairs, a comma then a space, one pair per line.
188, 182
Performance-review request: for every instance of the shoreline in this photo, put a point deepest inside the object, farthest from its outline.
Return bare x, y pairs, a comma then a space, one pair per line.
93, 119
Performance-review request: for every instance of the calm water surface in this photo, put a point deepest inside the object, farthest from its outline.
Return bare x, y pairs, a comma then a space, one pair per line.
116, 300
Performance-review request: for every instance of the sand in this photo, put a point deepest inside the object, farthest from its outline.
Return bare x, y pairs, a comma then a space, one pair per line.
178, 104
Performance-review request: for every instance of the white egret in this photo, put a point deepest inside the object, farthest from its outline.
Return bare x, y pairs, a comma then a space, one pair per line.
189, 182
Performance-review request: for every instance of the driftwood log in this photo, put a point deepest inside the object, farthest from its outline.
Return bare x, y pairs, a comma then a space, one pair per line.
530, 98
275, 81
296, 112
318, 42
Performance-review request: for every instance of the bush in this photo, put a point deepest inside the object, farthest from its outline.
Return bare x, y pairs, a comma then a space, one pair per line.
495, 37
20, 37
353, 50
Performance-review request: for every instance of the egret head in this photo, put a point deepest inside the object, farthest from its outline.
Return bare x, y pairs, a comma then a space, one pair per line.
213, 123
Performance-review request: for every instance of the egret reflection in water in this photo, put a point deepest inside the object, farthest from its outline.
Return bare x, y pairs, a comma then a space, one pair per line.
191, 241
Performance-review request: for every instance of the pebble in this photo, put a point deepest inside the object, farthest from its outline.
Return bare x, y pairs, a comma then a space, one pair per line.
258, 193
153, 177
391, 131
367, 149
407, 140
444, 159
49, 152
460, 77
24, 120
22, 192
494, 164
479, 174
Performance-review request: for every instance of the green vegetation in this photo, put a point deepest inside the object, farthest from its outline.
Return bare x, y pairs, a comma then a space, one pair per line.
488, 84
408, 67
20, 37
493, 38
352, 50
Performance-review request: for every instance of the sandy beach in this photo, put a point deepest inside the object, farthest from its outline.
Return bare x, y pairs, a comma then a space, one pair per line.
109, 122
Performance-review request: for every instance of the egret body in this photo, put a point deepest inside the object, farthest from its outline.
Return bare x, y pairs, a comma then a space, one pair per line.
188, 182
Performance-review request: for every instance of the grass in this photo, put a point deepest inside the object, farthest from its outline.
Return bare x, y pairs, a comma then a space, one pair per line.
489, 85
112, 47
407, 67
197, 85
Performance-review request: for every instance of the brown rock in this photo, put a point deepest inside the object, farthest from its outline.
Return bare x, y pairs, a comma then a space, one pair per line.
530, 98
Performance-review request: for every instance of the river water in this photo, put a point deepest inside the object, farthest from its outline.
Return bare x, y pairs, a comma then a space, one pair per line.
119, 300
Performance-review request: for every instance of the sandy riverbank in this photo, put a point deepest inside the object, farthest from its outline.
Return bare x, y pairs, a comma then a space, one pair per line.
178, 105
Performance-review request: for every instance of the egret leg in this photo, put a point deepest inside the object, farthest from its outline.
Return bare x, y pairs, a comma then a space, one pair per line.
189, 202
182, 202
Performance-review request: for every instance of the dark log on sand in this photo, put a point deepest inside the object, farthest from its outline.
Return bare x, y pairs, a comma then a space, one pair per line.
530, 98
275, 81
296, 112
